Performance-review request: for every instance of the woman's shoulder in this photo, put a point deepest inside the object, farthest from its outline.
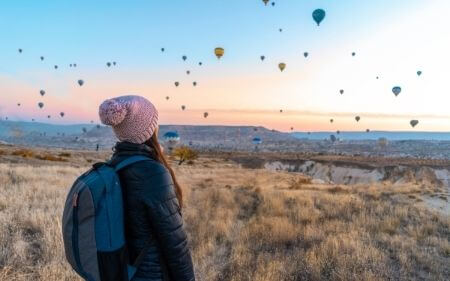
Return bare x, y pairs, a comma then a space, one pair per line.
155, 178
149, 168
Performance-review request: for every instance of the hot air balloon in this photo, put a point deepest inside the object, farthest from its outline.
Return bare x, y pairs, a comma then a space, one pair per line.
318, 16
292, 128
341, 91
56, 67
32, 120
396, 90
281, 66
414, 123
177, 84
265, 2
61, 114
378, 77
70, 65
219, 52
41, 105
281, 110
331, 120
92, 121
184, 58
42, 58
353, 54
262, 58
18, 104
80, 82
48, 116
280, 30
162, 49
273, 4
84, 130
183, 107
357, 118
108, 64
205, 115
419, 73
42, 92
20, 50
332, 138
338, 132
305, 54
171, 139
194, 83
367, 130
200, 63
188, 72
114, 63
74, 65
256, 140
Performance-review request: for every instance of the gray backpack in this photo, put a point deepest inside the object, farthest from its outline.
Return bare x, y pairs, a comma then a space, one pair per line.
93, 225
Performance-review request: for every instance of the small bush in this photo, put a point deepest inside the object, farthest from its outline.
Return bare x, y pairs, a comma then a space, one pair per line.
298, 182
65, 154
184, 153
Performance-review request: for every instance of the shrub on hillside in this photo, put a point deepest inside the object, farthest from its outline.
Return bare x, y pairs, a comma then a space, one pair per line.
184, 153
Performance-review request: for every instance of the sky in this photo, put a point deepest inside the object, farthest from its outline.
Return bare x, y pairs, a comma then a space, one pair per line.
392, 39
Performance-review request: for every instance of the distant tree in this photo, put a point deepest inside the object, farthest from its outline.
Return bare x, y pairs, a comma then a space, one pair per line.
184, 153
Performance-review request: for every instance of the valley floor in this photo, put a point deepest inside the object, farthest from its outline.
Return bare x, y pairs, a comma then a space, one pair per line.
243, 223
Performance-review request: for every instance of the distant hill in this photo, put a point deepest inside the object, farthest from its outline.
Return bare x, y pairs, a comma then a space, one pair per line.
375, 135
88, 135
22, 128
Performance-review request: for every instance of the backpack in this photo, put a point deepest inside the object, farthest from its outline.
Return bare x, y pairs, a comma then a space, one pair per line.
93, 225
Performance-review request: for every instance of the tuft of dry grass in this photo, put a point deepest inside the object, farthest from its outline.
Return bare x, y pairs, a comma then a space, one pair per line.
245, 225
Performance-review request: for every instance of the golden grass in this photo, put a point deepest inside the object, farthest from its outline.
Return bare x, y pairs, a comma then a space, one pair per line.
28, 153
25, 153
245, 225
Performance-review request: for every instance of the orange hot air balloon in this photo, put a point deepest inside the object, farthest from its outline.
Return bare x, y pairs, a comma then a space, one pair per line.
219, 52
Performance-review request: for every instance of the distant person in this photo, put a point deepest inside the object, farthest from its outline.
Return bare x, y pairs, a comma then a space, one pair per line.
152, 196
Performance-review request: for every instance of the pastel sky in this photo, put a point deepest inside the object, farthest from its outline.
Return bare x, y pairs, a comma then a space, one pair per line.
392, 39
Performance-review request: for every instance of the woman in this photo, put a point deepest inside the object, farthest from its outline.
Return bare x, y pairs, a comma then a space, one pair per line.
152, 195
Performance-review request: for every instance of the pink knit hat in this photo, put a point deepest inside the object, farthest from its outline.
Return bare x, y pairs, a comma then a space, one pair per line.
133, 118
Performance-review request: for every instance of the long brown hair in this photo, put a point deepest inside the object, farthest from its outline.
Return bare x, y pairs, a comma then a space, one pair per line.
154, 143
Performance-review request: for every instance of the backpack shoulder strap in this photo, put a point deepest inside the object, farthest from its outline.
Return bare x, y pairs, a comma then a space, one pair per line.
130, 160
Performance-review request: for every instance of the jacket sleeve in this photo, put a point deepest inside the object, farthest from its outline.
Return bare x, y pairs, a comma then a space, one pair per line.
165, 216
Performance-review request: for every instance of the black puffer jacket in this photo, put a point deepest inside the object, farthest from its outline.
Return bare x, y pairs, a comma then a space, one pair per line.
153, 217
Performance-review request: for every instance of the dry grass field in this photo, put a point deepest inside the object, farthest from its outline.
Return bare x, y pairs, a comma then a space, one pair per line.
243, 224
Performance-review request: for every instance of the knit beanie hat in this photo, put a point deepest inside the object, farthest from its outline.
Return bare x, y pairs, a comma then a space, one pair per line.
133, 118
